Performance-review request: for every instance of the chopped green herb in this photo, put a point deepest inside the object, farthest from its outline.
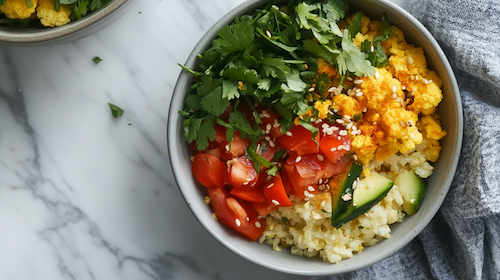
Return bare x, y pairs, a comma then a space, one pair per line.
360, 227
96, 60
115, 110
284, 220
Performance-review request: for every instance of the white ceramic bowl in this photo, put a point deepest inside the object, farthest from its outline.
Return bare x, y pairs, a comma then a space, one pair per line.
72, 31
438, 184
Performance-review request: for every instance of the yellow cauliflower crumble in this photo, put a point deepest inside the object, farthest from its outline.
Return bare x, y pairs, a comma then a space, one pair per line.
49, 16
392, 102
43, 9
18, 9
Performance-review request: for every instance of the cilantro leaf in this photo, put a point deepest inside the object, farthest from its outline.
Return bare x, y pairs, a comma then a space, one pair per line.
240, 73
235, 37
214, 103
294, 82
230, 89
115, 110
319, 50
96, 60
206, 132
274, 67
355, 26
352, 59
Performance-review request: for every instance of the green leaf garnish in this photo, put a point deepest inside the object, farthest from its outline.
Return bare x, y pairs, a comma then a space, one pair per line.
96, 60
115, 110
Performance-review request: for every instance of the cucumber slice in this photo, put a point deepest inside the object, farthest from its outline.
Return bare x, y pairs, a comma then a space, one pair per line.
369, 191
340, 185
413, 190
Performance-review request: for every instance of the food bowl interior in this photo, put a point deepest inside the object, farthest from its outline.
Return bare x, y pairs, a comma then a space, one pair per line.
438, 184
36, 36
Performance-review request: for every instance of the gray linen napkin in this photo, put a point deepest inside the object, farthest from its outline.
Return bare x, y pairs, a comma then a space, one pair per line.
463, 240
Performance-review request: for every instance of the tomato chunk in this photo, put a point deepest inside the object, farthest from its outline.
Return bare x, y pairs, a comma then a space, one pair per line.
334, 146
300, 141
271, 122
208, 170
242, 172
236, 149
276, 194
255, 194
237, 215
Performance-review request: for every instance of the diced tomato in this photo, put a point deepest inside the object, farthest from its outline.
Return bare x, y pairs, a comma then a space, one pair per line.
208, 170
329, 145
275, 192
255, 194
236, 149
300, 141
267, 150
308, 166
242, 172
299, 184
270, 118
237, 215
287, 184
214, 152
264, 208
334, 168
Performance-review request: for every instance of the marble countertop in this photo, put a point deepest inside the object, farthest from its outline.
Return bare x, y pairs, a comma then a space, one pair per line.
84, 195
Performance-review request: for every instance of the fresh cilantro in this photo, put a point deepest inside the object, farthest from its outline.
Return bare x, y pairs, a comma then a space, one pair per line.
29, 3
230, 89
284, 220
96, 60
233, 38
352, 59
375, 51
273, 171
355, 26
357, 117
360, 227
324, 211
115, 110
214, 103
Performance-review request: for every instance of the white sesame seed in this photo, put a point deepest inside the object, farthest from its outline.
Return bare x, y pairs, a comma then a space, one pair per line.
358, 82
399, 99
354, 184
365, 109
340, 121
298, 159
372, 48
343, 132
276, 125
377, 75
333, 149
410, 60
347, 197
311, 188
271, 143
257, 224
354, 156
347, 117
323, 203
248, 219
288, 133
245, 183
238, 222
268, 34
403, 124
325, 125
270, 185
269, 126
332, 89
320, 157
412, 135
394, 89
275, 202
416, 77
403, 88
349, 125
349, 78
359, 94
394, 95
311, 89
412, 201
412, 77
306, 193
354, 204
227, 148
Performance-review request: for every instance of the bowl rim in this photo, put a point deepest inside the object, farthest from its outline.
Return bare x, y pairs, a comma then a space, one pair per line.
173, 133
52, 33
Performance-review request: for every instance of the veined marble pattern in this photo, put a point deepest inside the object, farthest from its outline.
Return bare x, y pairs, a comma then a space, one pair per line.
87, 196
